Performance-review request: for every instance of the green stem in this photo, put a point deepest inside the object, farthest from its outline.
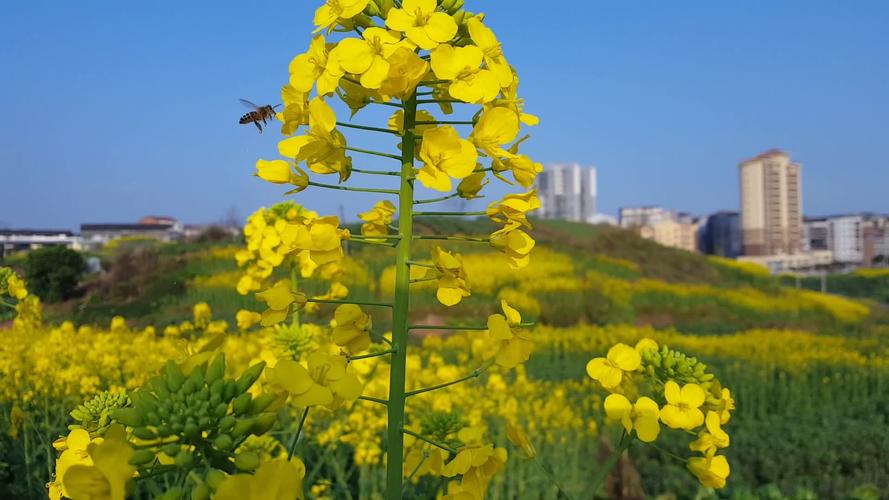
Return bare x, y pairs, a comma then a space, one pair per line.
443, 101
454, 214
420, 264
552, 478
295, 439
475, 374
374, 400
436, 200
365, 127
419, 464
349, 188
609, 464
379, 237
432, 82
398, 368
7, 304
444, 122
421, 280
374, 172
479, 239
356, 302
392, 104
430, 441
294, 275
380, 337
372, 355
375, 153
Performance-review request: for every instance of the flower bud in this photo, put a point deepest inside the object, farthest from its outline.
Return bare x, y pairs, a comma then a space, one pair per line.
127, 416
200, 492
261, 402
215, 477
241, 404
140, 457
247, 461
263, 423
174, 376
223, 442
249, 376
144, 433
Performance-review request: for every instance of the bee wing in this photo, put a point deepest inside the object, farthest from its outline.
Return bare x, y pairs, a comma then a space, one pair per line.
276, 106
249, 104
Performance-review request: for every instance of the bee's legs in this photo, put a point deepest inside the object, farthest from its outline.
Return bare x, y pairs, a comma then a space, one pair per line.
258, 126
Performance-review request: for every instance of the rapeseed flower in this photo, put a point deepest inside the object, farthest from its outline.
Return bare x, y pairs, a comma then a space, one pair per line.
452, 282
611, 370
711, 439
514, 208
682, 410
514, 346
641, 416
315, 66
378, 219
273, 480
422, 24
368, 56
282, 172
711, 471
107, 476
279, 298
445, 155
406, 70
324, 147
327, 381
462, 67
470, 186
351, 328
334, 12
247, 319
515, 244
487, 41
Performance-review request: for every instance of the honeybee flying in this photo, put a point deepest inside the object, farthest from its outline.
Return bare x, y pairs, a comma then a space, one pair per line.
258, 114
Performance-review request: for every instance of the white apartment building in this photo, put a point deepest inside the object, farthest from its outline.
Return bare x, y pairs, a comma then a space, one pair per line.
568, 192
771, 204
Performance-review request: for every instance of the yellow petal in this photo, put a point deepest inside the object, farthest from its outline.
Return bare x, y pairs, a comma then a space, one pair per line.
616, 406
624, 357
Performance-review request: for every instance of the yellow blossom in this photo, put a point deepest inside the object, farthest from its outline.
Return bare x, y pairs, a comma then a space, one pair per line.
323, 148
711, 471
514, 208
641, 416
682, 410
108, 474
282, 172
487, 41
726, 406
470, 186
611, 370
315, 66
406, 70
646, 344
274, 480
279, 298
515, 346
462, 67
515, 244
368, 56
327, 381
517, 436
378, 219
422, 25
335, 11
247, 319
711, 439
452, 283
445, 155
351, 328
496, 127
296, 109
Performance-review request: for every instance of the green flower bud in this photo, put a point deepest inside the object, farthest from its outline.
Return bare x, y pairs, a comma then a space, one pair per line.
141, 457
144, 433
372, 9
127, 416
197, 377
231, 390
174, 493
216, 369
215, 477
187, 388
220, 410
184, 458
227, 422
247, 461
171, 449
242, 427
217, 387
249, 377
200, 492
263, 423
174, 376
223, 442
261, 402
164, 431
241, 404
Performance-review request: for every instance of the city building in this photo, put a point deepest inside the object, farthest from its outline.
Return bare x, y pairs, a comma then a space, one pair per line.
14, 240
771, 204
567, 192
812, 262
721, 234
677, 230
94, 236
854, 239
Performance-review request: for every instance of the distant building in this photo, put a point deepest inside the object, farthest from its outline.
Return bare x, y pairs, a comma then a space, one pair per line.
854, 239
567, 192
798, 263
14, 240
94, 236
671, 229
721, 235
771, 204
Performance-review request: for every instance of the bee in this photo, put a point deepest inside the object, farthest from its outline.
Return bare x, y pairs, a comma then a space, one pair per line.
258, 114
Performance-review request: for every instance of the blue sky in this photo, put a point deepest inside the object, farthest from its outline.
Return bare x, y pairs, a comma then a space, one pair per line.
113, 110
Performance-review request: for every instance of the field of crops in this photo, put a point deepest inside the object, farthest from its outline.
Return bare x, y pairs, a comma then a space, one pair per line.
425, 352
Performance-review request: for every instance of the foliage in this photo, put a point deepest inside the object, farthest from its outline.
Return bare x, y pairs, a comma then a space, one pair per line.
54, 271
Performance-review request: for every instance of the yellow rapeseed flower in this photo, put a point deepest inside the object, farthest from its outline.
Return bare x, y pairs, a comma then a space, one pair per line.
445, 155
514, 208
515, 244
282, 172
315, 66
452, 282
279, 298
487, 41
406, 70
368, 56
611, 370
711, 439
462, 67
351, 328
247, 319
274, 480
683, 408
327, 381
334, 11
514, 346
711, 471
641, 416
107, 476
422, 25
324, 147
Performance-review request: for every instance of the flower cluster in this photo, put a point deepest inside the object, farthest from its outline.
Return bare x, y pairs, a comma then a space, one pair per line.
28, 312
667, 388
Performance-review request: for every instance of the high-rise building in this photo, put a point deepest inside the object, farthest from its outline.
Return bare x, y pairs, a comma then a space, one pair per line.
567, 191
771, 204
721, 235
